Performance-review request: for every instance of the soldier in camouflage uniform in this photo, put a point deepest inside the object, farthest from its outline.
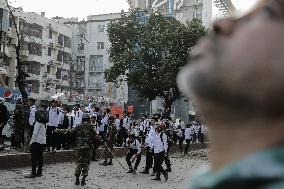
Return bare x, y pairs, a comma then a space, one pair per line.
109, 142
85, 136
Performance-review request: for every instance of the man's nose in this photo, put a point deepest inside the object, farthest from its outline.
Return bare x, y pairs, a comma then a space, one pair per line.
224, 26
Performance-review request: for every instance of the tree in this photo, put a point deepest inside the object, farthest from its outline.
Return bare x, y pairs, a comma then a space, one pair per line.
149, 51
22, 75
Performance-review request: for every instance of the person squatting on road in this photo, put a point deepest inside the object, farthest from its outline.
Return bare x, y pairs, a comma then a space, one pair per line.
85, 136
133, 153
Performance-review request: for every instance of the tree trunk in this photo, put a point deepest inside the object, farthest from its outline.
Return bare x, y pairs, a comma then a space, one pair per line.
21, 78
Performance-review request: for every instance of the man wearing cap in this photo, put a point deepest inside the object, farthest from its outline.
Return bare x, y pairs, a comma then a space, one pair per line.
85, 136
3, 121
236, 80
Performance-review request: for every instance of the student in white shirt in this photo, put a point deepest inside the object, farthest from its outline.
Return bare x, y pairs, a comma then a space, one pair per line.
149, 143
133, 153
37, 142
33, 110
160, 147
180, 137
53, 120
78, 114
188, 137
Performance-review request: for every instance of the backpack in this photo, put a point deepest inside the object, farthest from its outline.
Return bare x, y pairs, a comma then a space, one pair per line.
41, 116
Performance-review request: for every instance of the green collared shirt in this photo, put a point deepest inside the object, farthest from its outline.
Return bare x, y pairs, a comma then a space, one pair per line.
263, 170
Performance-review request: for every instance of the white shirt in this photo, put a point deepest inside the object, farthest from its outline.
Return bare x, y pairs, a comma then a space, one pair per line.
32, 115
61, 117
195, 127
182, 125
159, 145
104, 122
126, 123
78, 115
142, 127
179, 133
149, 141
187, 133
135, 145
53, 116
117, 124
39, 133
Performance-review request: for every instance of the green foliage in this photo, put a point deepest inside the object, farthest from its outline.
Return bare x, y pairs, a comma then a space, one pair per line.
150, 51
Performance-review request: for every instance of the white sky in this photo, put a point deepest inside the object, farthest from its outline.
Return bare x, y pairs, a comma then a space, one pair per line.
83, 8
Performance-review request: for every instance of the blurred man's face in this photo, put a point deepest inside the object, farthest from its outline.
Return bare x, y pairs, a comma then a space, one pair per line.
243, 56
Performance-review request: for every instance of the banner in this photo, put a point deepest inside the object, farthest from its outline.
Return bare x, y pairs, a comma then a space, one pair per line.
117, 110
130, 109
10, 95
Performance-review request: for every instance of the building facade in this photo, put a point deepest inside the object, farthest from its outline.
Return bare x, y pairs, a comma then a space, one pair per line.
90, 46
45, 54
182, 10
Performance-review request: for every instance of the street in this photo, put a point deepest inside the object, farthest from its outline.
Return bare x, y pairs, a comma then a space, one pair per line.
114, 177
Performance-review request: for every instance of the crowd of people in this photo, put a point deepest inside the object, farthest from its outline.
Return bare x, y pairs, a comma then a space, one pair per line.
54, 127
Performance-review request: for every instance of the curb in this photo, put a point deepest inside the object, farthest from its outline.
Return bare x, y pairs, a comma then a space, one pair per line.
12, 161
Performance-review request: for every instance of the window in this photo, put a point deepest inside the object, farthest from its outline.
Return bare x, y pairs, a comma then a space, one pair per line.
48, 69
49, 51
81, 59
59, 73
101, 28
198, 2
60, 56
60, 39
96, 63
50, 34
81, 47
198, 14
96, 80
100, 45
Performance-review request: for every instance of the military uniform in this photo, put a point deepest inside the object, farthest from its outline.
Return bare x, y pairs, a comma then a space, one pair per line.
85, 136
108, 144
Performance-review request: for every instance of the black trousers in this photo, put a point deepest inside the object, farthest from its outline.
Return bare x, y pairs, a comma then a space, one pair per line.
187, 145
128, 159
167, 160
180, 142
158, 161
50, 137
37, 158
149, 159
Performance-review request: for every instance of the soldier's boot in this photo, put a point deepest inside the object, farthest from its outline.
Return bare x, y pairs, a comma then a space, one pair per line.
77, 182
104, 163
158, 178
83, 182
110, 162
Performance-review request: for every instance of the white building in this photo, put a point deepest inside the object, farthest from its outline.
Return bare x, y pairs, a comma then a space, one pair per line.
45, 53
90, 48
182, 10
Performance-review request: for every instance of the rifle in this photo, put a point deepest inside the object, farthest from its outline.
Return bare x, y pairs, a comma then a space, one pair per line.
114, 156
